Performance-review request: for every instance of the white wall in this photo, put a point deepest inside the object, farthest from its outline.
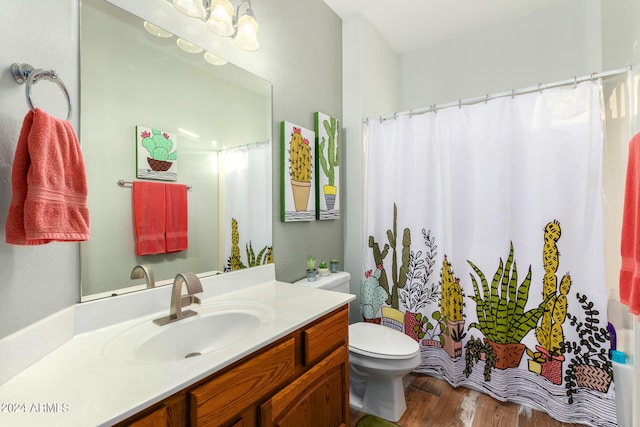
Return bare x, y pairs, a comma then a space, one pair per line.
371, 82
35, 281
552, 45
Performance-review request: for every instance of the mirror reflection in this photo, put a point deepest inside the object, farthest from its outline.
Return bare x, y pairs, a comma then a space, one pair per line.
220, 118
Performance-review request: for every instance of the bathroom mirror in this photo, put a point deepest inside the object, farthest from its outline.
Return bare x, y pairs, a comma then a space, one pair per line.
217, 115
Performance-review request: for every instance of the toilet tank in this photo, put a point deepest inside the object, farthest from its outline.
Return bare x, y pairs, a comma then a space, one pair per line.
338, 282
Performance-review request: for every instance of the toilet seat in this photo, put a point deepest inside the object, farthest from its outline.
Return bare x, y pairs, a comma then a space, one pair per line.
376, 341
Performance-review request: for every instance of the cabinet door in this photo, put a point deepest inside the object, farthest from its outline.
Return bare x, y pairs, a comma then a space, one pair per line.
219, 401
318, 398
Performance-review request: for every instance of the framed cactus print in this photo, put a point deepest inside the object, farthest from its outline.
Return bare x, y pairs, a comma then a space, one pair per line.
156, 154
327, 166
297, 183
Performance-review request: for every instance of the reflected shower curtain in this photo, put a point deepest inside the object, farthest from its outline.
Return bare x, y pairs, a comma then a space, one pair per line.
246, 195
485, 245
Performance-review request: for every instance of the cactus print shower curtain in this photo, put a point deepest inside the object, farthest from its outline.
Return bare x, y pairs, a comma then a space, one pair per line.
484, 235
246, 205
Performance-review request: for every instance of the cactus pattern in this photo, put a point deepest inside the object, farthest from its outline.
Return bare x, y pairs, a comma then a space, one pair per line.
500, 307
158, 145
549, 333
333, 156
372, 295
451, 301
299, 157
236, 262
398, 275
265, 256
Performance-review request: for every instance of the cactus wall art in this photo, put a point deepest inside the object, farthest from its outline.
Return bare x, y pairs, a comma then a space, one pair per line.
328, 166
297, 184
156, 154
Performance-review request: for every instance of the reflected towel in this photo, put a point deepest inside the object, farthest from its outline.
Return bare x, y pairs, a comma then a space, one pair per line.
630, 240
176, 217
49, 185
149, 217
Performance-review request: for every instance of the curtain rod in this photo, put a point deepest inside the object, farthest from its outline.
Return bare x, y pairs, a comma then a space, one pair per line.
470, 101
247, 146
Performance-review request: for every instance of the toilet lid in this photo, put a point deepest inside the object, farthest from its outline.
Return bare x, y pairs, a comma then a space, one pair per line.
371, 339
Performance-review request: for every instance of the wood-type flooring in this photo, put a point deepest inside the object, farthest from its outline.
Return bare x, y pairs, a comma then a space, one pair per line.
432, 402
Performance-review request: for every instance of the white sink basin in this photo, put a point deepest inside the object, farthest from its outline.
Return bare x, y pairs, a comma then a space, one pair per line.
214, 328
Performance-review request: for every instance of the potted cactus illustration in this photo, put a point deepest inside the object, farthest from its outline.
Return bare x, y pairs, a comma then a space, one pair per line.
501, 311
300, 169
398, 272
329, 157
372, 295
418, 292
548, 357
451, 310
590, 364
265, 256
160, 148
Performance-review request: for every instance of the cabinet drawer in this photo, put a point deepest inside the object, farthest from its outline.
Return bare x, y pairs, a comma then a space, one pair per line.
321, 338
224, 397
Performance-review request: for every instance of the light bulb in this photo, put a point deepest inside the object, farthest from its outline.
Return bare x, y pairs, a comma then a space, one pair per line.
247, 37
221, 20
156, 31
214, 59
193, 8
188, 46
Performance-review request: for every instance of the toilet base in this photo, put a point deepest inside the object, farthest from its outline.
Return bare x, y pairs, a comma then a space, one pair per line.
379, 396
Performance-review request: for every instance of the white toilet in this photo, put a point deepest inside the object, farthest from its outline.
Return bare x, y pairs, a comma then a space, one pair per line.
379, 358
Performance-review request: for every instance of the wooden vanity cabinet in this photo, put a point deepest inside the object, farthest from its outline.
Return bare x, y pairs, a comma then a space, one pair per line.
301, 380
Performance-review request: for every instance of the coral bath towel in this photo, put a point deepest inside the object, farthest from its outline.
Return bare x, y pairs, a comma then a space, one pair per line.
49, 184
176, 217
630, 241
149, 217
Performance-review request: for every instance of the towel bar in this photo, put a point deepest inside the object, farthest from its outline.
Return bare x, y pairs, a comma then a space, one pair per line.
123, 183
26, 73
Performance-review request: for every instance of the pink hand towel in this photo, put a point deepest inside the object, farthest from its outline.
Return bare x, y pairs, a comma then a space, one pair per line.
630, 240
49, 185
177, 215
149, 217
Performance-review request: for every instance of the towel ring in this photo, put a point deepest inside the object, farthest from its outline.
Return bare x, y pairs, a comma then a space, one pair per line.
26, 73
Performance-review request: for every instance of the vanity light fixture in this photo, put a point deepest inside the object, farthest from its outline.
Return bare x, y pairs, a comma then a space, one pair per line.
214, 59
188, 46
220, 19
192, 8
156, 31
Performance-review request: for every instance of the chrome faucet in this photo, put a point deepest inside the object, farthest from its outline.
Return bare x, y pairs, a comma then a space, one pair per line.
178, 300
143, 270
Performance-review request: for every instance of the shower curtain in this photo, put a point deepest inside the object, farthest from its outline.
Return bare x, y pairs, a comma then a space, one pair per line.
246, 196
485, 245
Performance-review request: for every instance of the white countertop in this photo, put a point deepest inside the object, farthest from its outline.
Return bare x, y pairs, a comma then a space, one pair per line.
76, 384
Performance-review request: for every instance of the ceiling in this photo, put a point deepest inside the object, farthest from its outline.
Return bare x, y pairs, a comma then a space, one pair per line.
410, 25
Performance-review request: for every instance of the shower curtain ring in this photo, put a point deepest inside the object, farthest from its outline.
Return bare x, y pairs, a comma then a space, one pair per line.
594, 75
513, 94
460, 103
575, 82
486, 99
410, 114
540, 87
